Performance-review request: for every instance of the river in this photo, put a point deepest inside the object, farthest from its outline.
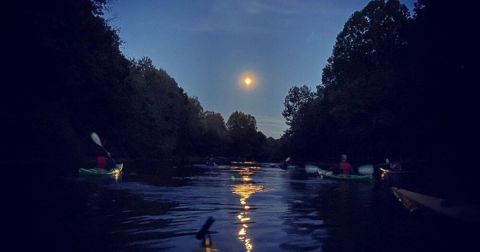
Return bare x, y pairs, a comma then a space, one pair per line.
255, 209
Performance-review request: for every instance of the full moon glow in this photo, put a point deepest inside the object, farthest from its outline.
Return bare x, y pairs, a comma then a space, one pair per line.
247, 81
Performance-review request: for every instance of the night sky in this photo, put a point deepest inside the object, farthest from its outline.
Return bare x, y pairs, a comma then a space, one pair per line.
208, 45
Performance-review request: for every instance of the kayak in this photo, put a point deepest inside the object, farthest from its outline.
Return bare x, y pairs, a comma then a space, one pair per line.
458, 210
102, 172
270, 165
388, 171
214, 165
352, 177
246, 163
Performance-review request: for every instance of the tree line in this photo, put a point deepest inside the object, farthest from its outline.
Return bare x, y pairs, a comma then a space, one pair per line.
68, 78
396, 85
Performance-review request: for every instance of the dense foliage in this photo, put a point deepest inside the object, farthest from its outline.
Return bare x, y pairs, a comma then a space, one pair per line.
69, 78
396, 86
246, 140
65, 72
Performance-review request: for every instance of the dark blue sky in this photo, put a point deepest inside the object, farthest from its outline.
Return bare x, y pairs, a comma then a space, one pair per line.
207, 45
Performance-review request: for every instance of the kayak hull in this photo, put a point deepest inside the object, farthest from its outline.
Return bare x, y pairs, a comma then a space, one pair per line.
205, 166
388, 171
247, 164
346, 177
102, 172
454, 209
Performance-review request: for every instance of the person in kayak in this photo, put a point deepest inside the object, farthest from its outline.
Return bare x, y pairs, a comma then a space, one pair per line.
344, 165
285, 162
104, 162
394, 166
210, 161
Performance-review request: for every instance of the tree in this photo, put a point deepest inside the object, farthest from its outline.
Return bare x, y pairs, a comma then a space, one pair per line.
242, 130
297, 98
214, 139
214, 124
64, 89
161, 114
396, 84
76, 80
239, 122
361, 66
440, 96
349, 112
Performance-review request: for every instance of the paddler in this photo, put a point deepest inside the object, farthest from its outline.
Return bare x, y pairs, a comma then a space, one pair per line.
344, 165
104, 162
394, 166
101, 162
285, 162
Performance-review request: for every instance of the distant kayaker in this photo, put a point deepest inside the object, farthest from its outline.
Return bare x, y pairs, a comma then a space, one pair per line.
394, 166
344, 165
210, 161
285, 162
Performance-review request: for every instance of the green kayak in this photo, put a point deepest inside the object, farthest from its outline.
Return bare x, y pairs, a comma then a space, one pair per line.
102, 172
352, 177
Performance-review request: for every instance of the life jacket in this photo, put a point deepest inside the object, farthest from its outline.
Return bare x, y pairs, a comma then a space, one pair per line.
102, 162
345, 167
395, 166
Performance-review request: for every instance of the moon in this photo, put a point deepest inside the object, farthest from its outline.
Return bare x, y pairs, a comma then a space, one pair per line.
247, 81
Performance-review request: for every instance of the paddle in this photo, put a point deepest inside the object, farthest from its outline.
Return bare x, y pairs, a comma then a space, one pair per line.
366, 169
96, 139
284, 164
204, 233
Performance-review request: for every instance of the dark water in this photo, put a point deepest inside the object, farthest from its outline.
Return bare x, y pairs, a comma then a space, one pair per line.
255, 208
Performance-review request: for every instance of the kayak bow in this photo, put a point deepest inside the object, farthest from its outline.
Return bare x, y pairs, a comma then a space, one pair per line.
102, 172
454, 209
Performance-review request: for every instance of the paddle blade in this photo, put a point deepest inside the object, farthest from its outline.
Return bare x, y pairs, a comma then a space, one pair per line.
366, 169
96, 139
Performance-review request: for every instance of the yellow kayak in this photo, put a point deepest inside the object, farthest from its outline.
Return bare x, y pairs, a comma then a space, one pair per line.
454, 209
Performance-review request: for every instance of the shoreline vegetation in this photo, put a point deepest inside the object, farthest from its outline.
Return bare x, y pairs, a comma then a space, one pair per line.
397, 85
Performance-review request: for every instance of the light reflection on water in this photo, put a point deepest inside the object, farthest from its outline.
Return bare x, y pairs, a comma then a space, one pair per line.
256, 209
263, 209
244, 190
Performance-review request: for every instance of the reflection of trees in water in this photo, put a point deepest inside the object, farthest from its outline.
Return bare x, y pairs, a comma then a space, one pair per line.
346, 208
111, 220
304, 227
244, 190
327, 215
